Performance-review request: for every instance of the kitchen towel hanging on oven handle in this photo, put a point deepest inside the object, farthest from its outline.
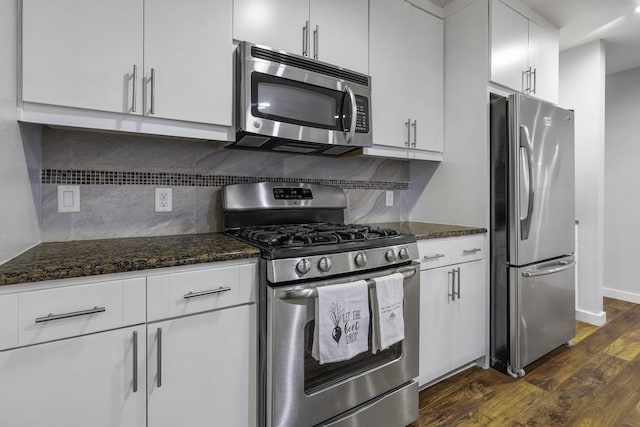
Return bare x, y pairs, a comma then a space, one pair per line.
387, 303
342, 322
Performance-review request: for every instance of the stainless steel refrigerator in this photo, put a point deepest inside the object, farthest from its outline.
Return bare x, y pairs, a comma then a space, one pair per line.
532, 231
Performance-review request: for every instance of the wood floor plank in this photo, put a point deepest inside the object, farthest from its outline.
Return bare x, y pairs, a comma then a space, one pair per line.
594, 383
509, 403
557, 407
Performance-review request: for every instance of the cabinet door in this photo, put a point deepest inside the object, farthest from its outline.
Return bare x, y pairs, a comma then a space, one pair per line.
469, 314
544, 59
203, 369
275, 23
190, 50
435, 323
82, 53
509, 46
77, 382
406, 66
340, 33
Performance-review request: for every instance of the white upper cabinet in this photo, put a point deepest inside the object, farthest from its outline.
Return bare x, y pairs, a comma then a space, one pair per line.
406, 64
340, 33
524, 54
189, 50
509, 46
544, 58
333, 31
158, 64
281, 24
83, 53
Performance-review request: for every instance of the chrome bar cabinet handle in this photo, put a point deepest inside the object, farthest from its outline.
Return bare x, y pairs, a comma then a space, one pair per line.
451, 274
436, 256
316, 46
457, 270
470, 251
135, 361
135, 88
534, 80
51, 316
305, 39
415, 133
159, 359
408, 125
524, 81
209, 292
152, 110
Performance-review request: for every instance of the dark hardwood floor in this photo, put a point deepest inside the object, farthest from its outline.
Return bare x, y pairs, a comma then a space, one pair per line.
594, 383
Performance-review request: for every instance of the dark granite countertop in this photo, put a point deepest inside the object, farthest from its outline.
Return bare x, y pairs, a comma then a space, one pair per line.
63, 260
427, 230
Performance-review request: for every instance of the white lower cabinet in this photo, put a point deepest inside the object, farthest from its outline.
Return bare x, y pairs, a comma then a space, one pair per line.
202, 369
168, 349
453, 308
84, 381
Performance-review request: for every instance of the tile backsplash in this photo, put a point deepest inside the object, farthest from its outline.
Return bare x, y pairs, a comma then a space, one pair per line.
118, 173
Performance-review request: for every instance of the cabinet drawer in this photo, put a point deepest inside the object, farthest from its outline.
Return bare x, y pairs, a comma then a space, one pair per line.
64, 312
434, 253
467, 248
8, 321
178, 294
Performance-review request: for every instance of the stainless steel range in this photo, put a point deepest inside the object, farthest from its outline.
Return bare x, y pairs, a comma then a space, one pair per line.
305, 245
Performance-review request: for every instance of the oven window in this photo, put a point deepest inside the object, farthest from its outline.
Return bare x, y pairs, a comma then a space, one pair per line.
318, 377
290, 101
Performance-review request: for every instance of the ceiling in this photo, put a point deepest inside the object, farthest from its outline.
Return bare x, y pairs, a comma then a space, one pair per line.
582, 21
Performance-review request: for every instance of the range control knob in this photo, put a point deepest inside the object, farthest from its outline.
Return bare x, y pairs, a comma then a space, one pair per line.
390, 255
403, 253
361, 259
303, 266
325, 264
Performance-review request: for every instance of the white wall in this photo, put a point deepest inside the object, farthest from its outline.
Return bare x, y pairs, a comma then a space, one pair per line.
19, 161
456, 191
622, 181
582, 87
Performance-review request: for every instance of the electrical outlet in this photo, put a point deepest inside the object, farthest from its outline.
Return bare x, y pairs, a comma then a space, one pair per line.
389, 198
163, 200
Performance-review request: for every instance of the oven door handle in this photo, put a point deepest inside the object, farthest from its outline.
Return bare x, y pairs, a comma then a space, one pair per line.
313, 292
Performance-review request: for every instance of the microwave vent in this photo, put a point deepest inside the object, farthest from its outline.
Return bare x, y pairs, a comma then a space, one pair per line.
309, 65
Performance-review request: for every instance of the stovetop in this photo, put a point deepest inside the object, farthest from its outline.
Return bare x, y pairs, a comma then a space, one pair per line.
310, 235
300, 240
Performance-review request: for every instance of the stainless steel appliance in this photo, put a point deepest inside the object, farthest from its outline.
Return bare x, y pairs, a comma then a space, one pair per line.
305, 245
290, 103
532, 231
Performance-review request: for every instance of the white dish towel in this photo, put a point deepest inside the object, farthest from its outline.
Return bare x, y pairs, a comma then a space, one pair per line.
388, 308
342, 322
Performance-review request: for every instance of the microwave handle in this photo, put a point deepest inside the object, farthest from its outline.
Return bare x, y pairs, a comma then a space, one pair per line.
354, 112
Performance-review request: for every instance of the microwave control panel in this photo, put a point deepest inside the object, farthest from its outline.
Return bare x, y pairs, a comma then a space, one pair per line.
362, 114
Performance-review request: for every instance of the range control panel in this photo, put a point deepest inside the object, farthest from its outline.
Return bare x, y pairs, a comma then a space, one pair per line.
292, 193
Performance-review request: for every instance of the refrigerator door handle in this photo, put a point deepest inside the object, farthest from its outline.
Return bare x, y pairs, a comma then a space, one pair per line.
561, 266
525, 142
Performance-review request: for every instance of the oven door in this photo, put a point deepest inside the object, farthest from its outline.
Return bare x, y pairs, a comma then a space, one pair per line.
301, 392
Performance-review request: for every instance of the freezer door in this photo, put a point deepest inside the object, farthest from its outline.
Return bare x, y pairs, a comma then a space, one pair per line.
542, 309
541, 181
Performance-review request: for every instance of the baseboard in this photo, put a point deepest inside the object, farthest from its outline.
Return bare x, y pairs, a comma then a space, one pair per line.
622, 295
596, 319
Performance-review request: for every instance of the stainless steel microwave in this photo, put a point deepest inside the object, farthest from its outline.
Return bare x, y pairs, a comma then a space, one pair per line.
290, 103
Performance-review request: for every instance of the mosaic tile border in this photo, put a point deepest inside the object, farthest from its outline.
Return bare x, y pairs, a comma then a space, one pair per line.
170, 179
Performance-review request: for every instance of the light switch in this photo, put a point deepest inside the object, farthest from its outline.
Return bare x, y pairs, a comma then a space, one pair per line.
68, 198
